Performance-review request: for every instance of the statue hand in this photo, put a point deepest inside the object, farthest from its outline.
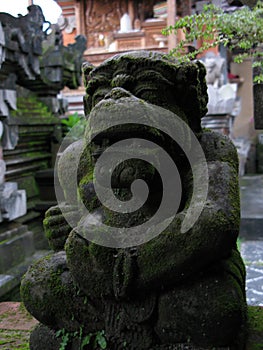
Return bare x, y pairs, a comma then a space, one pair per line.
56, 226
124, 270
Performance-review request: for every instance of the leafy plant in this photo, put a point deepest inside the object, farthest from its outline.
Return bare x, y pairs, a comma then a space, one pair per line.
101, 340
75, 125
64, 338
72, 120
95, 340
240, 30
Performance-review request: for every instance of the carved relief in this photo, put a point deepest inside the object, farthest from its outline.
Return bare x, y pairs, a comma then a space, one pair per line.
183, 8
104, 15
102, 18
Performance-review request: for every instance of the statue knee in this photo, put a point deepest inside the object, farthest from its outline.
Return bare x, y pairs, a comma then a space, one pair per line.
208, 312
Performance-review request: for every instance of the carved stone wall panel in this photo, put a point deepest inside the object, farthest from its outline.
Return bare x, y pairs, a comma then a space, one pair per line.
183, 7
103, 18
104, 15
129, 41
153, 29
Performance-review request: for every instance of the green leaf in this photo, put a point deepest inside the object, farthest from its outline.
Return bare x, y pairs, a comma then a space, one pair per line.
86, 340
101, 340
72, 120
59, 333
242, 29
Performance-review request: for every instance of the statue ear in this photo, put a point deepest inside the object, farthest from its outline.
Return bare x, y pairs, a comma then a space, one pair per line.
86, 69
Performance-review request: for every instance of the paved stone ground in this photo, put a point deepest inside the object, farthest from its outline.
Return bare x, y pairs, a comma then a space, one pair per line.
252, 253
15, 326
251, 233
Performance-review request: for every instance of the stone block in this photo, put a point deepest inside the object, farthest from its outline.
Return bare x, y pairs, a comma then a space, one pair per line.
15, 249
10, 136
260, 158
258, 106
2, 171
12, 201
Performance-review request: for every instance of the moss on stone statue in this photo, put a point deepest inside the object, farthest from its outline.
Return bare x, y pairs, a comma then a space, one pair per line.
52, 281
255, 328
196, 278
187, 81
52, 296
95, 279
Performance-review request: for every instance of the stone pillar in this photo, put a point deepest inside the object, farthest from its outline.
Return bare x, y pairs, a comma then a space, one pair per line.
131, 12
258, 104
80, 14
2, 164
171, 18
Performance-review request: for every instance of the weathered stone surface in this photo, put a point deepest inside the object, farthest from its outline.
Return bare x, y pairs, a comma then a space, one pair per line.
12, 201
39, 337
2, 171
8, 100
57, 227
48, 304
183, 312
29, 122
258, 106
10, 137
15, 248
24, 62
178, 287
250, 3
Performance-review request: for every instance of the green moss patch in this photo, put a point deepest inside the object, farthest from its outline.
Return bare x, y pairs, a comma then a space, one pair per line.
14, 339
255, 328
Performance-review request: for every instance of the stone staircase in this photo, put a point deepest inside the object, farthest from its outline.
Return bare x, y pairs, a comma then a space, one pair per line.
251, 193
17, 252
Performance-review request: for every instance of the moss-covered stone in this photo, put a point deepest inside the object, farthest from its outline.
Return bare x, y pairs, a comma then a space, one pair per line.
48, 287
95, 279
179, 287
255, 328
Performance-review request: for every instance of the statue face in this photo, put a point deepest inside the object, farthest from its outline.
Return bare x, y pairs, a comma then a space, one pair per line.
149, 85
131, 87
210, 64
136, 85
153, 78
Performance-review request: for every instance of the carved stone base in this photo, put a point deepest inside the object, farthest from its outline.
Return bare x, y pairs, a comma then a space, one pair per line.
42, 335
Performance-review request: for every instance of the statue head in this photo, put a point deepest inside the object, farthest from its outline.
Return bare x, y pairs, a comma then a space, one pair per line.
137, 86
35, 16
153, 77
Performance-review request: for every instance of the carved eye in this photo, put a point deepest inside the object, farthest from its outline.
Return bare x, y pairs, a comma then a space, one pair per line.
146, 92
99, 95
123, 80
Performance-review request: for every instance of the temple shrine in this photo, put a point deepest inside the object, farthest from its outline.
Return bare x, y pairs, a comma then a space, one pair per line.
120, 25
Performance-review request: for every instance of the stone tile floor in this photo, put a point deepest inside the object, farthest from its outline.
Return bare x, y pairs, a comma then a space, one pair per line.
252, 253
251, 235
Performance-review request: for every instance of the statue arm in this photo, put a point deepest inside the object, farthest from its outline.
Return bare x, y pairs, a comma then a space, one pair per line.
173, 256
56, 224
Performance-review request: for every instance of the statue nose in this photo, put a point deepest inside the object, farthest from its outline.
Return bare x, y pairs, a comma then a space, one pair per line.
117, 93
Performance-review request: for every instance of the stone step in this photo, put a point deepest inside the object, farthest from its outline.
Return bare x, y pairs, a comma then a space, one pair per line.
251, 194
14, 249
11, 278
251, 228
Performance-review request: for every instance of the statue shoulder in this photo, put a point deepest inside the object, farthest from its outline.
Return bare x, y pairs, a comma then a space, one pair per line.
218, 147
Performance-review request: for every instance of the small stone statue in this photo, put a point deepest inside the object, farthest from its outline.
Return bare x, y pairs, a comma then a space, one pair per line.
179, 290
221, 95
214, 69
